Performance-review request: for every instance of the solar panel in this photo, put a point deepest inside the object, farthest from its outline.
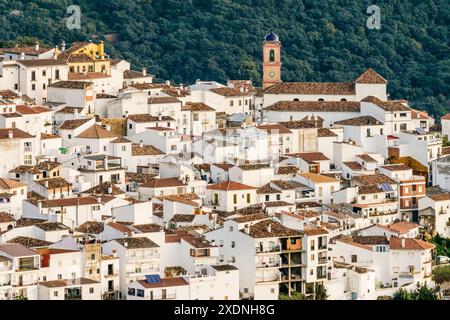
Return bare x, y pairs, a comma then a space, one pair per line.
386, 187
153, 278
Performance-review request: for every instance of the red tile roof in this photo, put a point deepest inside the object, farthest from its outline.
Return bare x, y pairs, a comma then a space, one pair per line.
229, 186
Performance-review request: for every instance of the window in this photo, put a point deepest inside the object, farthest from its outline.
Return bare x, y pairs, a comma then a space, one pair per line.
231, 103
124, 148
233, 244
140, 293
33, 87
403, 127
267, 197
381, 131
93, 256
43, 86
272, 290
33, 75
130, 126
55, 293
59, 276
44, 73
248, 197
354, 258
57, 74
231, 229
69, 136
235, 198
27, 159
272, 55
196, 116
278, 197
368, 132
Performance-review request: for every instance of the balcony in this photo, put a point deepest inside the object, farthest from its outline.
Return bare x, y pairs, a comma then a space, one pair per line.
268, 265
259, 250
72, 297
26, 268
321, 276
274, 278
322, 260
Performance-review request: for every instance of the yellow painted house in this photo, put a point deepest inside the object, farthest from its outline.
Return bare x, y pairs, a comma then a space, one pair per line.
84, 57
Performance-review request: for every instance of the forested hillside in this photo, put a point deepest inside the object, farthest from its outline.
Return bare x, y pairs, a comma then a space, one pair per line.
326, 40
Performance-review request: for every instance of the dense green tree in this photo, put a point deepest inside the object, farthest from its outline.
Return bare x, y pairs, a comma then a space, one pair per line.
294, 296
185, 40
441, 274
402, 294
420, 293
321, 292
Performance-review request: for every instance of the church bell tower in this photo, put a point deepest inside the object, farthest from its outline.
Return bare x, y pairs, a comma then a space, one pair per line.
271, 60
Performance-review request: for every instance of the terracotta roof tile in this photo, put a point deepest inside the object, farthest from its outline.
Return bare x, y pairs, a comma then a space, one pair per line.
360, 121
230, 92
387, 105
371, 77
229, 186
72, 124
97, 132
325, 132
409, 244
315, 106
315, 88
17, 134
163, 183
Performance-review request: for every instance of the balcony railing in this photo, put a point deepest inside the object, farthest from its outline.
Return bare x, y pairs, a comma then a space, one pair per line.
72, 297
268, 265
322, 260
268, 279
26, 268
267, 250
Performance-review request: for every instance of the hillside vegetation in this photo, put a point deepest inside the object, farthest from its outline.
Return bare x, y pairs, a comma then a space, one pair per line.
185, 40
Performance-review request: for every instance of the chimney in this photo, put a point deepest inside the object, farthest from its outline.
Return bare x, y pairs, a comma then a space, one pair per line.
10, 134
247, 229
141, 144
125, 244
63, 46
144, 72
109, 190
22, 56
99, 200
36, 47
46, 183
269, 228
108, 127
403, 242
168, 82
114, 253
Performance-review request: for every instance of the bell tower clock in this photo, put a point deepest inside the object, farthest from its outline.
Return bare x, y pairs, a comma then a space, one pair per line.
271, 60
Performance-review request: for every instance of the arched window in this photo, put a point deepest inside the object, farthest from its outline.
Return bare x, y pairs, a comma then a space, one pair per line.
321, 99
343, 99
272, 55
296, 99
